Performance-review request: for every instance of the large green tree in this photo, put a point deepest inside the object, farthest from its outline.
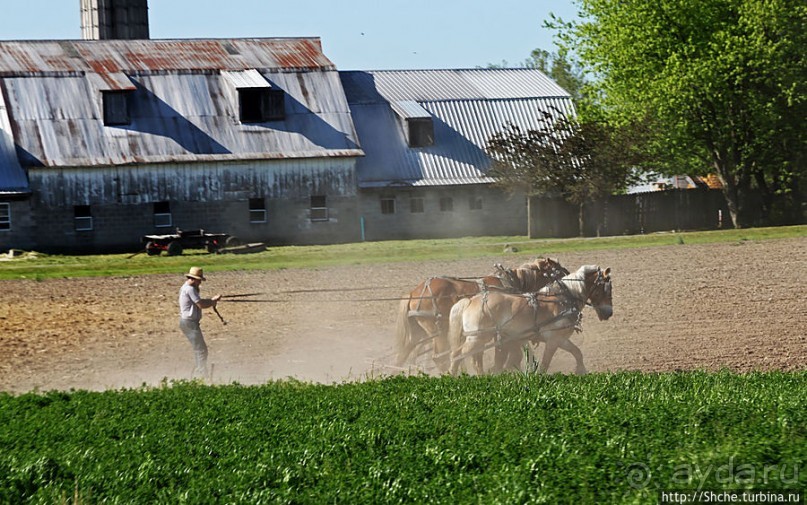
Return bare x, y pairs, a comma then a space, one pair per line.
721, 81
581, 162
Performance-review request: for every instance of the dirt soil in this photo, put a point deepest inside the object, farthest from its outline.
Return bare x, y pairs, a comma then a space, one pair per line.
740, 306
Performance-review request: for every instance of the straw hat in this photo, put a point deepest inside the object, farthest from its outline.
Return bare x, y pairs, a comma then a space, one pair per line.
195, 273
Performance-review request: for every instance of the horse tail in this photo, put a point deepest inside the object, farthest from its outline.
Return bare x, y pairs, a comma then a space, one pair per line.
403, 333
455, 336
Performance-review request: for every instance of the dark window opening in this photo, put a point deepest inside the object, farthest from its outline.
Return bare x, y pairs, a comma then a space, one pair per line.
162, 215
257, 210
416, 205
82, 218
388, 205
319, 208
475, 203
446, 204
116, 107
421, 132
258, 105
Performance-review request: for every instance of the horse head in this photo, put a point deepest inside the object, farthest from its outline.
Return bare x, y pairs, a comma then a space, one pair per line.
551, 269
598, 289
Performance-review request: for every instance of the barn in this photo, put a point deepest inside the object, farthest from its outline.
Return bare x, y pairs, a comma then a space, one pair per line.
116, 136
103, 141
424, 133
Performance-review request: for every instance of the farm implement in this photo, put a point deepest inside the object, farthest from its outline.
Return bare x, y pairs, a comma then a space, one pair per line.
174, 244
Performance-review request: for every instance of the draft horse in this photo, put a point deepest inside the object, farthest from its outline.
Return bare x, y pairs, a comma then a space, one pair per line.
550, 315
424, 313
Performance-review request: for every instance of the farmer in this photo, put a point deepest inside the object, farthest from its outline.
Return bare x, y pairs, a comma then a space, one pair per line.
190, 313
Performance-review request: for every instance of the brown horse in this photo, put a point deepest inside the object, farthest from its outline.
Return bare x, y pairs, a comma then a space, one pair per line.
550, 315
423, 314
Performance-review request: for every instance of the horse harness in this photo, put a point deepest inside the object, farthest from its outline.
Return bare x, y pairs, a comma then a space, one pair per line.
570, 311
428, 294
510, 284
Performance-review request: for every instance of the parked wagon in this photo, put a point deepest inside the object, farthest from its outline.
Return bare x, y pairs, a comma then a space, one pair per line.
174, 244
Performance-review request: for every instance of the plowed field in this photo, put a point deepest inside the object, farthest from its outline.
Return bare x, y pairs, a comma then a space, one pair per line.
741, 306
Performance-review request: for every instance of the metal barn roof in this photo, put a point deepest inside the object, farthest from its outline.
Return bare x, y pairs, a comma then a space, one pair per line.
140, 56
184, 106
467, 107
469, 84
12, 177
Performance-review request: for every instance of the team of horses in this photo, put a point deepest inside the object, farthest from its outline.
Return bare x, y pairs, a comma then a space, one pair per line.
456, 319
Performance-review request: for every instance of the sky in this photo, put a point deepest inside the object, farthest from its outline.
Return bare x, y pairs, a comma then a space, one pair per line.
358, 35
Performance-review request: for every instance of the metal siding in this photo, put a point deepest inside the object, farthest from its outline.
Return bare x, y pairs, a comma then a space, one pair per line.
198, 182
245, 79
409, 109
468, 107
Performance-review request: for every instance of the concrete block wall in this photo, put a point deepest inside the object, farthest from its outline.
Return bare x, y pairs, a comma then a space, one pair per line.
22, 233
120, 227
500, 213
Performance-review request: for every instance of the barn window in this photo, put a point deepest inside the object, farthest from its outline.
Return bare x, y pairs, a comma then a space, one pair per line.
416, 205
116, 107
388, 205
417, 123
5, 216
319, 208
257, 210
446, 204
162, 215
82, 218
475, 203
421, 132
258, 105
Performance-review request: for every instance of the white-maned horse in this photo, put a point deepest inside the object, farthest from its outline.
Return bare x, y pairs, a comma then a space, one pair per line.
423, 313
550, 315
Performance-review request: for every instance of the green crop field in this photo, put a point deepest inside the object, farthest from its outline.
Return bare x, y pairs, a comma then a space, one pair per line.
519, 438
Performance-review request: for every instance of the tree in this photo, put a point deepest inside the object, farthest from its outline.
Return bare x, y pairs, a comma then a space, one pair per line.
560, 68
722, 81
581, 162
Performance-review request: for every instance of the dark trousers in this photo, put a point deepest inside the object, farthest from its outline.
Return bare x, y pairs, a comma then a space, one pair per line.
193, 332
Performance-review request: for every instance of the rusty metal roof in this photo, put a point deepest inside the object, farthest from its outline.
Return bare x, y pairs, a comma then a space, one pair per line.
467, 107
184, 104
143, 56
